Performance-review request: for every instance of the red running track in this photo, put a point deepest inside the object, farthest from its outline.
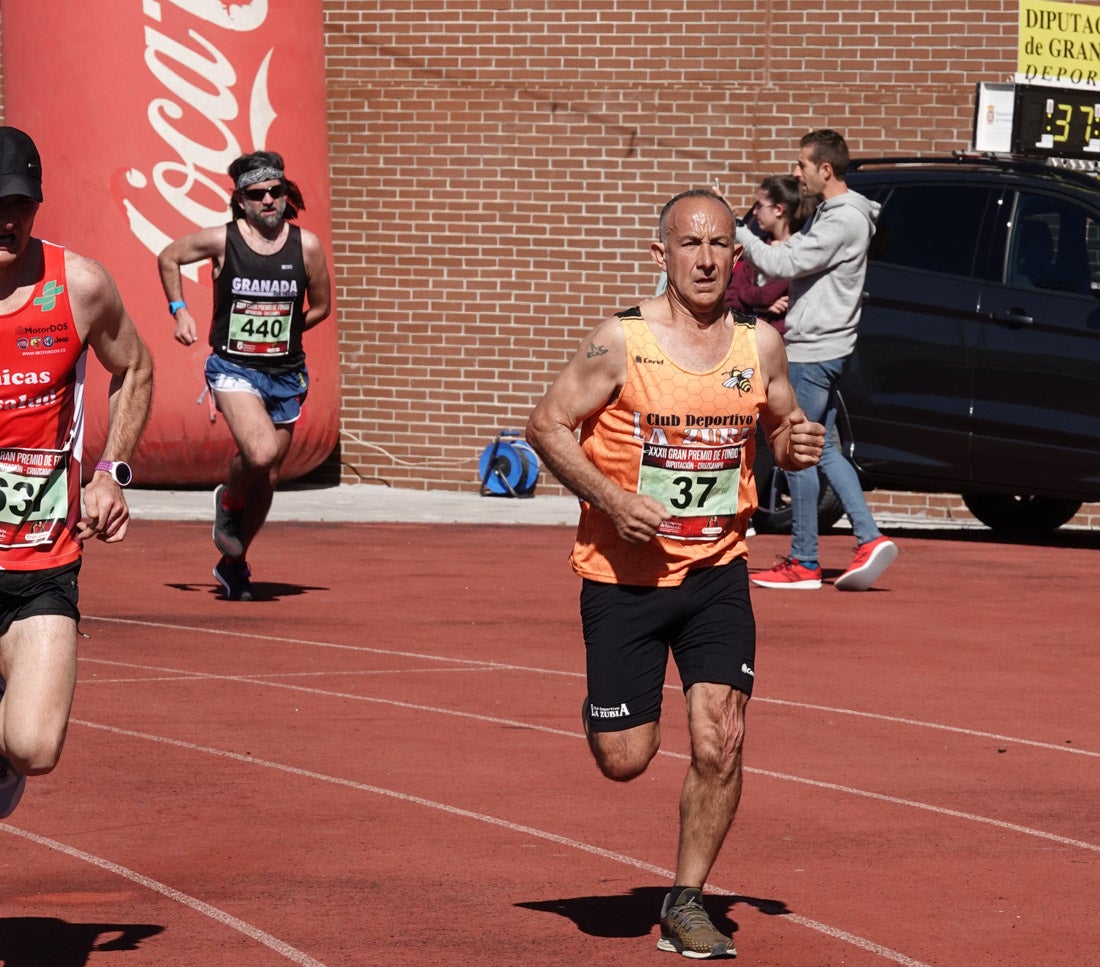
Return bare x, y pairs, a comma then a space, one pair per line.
380, 763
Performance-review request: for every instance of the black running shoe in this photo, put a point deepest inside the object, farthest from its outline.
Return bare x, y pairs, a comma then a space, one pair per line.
233, 577
227, 527
12, 783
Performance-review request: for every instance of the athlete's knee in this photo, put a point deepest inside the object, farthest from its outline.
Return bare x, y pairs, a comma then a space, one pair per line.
716, 724
262, 458
625, 755
717, 760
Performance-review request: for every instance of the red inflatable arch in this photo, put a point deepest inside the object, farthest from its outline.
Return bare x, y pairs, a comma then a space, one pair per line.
137, 112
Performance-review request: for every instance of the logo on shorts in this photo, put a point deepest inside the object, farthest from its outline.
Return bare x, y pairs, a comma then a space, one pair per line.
745, 670
614, 712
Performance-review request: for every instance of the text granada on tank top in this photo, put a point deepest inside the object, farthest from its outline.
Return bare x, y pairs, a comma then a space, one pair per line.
686, 439
42, 363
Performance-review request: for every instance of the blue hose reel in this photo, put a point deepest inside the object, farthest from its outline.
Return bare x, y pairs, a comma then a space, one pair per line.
508, 467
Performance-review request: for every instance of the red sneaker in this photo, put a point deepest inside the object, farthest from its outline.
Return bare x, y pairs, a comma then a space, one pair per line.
790, 574
870, 561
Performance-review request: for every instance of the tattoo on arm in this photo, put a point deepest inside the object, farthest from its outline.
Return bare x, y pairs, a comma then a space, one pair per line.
594, 350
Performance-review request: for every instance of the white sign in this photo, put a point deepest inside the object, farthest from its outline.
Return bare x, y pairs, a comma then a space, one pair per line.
993, 108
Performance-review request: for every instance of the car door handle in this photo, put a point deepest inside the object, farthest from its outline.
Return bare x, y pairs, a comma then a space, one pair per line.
1013, 317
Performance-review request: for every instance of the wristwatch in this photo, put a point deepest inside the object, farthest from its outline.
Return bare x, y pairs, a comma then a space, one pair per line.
120, 472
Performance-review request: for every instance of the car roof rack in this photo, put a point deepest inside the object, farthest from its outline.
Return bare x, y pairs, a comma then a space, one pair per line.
1030, 166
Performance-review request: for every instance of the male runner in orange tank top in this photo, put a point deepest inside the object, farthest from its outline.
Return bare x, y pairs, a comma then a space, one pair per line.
54, 305
667, 396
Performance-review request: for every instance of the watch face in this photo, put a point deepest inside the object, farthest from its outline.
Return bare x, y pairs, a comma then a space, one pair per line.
122, 474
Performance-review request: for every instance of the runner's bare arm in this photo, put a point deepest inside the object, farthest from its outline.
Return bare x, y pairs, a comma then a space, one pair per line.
108, 330
795, 441
319, 294
209, 243
591, 379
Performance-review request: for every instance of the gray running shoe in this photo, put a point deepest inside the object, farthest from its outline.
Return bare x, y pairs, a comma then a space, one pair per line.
234, 576
227, 527
12, 783
686, 929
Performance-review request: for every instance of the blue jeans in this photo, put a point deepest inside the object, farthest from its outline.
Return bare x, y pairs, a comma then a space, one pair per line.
815, 386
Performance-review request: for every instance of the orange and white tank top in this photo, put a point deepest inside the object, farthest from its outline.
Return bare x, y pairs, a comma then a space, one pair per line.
687, 439
42, 362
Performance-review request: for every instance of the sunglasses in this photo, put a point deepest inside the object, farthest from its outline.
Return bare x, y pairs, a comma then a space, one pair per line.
258, 194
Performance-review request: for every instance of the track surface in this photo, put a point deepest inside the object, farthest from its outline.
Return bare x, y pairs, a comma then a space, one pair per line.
379, 763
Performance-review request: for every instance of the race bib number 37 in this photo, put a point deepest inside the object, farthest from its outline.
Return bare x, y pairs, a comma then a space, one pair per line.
697, 485
260, 328
34, 493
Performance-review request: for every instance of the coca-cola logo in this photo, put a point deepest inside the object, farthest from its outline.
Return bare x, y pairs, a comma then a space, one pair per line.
194, 116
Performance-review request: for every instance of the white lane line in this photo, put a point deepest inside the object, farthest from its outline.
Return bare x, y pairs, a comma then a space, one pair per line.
919, 723
502, 666
548, 730
834, 932
220, 916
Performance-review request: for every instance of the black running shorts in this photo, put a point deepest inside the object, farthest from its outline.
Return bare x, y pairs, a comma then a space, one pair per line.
707, 622
24, 594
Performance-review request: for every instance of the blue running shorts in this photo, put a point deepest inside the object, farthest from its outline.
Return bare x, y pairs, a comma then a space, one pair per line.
283, 393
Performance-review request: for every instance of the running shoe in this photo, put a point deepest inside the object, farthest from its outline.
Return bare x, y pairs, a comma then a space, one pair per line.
789, 574
12, 783
227, 527
234, 576
686, 929
870, 561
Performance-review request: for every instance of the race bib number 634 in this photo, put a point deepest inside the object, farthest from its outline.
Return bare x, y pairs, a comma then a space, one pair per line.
34, 494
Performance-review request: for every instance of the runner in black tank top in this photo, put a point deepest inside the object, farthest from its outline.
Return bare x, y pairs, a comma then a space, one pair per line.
266, 271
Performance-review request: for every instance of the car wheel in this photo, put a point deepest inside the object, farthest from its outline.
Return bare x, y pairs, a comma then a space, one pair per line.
1020, 515
773, 516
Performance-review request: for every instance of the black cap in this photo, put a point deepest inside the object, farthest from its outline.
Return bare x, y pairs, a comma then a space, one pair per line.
20, 165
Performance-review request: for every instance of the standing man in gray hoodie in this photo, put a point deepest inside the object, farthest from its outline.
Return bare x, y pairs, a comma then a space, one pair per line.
827, 265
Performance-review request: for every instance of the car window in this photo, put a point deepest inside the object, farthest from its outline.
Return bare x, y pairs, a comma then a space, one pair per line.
931, 227
1055, 245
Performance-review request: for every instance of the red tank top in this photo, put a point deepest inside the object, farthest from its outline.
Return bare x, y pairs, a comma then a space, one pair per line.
42, 363
686, 439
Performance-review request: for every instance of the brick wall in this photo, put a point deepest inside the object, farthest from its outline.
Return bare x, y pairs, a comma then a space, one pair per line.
497, 167
950, 509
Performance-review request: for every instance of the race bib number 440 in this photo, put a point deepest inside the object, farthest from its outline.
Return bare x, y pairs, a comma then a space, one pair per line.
34, 492
260, 328
697, 485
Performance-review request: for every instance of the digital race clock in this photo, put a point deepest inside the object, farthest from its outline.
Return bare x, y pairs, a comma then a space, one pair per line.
1056, 121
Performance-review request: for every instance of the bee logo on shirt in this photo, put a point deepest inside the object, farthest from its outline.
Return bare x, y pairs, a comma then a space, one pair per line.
741, 379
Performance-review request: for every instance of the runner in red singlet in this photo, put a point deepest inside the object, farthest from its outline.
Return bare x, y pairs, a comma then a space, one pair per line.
54, 305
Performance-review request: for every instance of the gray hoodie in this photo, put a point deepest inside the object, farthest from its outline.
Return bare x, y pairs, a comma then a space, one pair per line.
826, 266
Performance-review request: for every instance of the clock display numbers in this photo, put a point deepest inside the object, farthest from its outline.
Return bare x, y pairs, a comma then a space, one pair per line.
1056, 121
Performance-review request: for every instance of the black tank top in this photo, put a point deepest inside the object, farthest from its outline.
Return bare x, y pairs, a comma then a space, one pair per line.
258, 304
